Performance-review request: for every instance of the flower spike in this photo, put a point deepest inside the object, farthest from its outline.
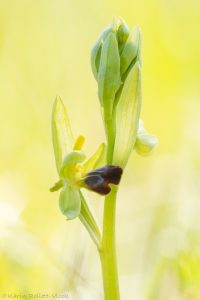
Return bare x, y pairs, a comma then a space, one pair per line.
116, 64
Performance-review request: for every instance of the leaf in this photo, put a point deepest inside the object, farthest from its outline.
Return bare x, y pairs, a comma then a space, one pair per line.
95, 160
61, 132
131, 49
109, 74
127, 116
70, 202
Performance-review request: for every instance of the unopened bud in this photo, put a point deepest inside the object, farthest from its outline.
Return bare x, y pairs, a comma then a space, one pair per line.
145, 142
131, 49
109, 74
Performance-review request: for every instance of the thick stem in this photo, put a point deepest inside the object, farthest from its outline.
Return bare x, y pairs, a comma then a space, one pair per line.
108, 249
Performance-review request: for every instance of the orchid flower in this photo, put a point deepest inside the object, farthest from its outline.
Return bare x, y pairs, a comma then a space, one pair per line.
74, 170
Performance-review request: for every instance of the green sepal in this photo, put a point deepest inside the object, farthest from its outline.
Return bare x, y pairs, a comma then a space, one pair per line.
70, 202
79, 142
115, 24
127, 116
61, 132
131, 49
145, 142
122, 34
95, 160
109, 79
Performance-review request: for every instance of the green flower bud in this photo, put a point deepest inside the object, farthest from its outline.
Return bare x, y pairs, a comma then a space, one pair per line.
120, 27
122, 34
107, 64
96, 51
131, 49
109, 74
145, 142
116, 64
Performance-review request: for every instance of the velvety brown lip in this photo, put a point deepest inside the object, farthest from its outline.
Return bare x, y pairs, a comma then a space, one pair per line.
99, 179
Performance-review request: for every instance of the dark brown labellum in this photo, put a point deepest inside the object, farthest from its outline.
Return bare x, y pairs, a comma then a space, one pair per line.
99, 179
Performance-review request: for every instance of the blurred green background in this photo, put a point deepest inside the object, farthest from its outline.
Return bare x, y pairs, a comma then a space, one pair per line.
44, 51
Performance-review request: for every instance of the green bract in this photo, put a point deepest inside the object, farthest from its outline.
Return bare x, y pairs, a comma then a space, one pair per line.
70, 161
127, 117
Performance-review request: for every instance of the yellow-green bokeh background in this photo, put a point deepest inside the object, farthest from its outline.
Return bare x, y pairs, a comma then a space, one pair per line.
44, 51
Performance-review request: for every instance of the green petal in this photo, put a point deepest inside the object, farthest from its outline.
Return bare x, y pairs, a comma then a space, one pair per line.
131, 49
95, 160
58, 185
61, 132
127, 116
109, 74
79, 142
70, 202
145, 142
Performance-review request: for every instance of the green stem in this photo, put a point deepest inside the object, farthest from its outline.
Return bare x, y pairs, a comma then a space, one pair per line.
110, 140
108, 249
